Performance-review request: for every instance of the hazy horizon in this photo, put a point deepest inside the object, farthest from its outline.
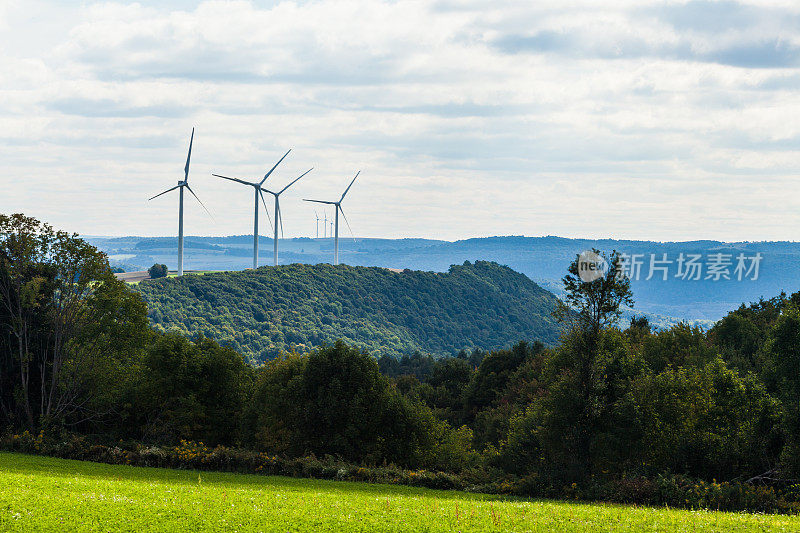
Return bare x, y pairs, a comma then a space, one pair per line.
417, 237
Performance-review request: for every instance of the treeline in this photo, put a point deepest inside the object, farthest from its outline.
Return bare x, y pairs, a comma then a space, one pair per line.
273, 310
679, 416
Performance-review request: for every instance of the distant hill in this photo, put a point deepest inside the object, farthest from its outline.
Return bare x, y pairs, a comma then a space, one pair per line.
264, 312
543, 259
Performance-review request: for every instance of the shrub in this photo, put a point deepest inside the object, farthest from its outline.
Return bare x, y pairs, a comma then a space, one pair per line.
157, 271
335, 402
675, 491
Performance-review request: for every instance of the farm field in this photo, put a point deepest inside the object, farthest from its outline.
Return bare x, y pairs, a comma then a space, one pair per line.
46, 494
133, 278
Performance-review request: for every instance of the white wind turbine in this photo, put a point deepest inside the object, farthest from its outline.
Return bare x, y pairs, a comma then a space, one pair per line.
317, 215
257, 190
278, 216
338, 207
181, 185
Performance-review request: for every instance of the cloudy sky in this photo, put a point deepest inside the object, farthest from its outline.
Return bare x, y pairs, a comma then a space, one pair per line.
627, 119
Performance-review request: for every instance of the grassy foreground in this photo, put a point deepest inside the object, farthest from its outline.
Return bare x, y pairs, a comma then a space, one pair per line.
46, 494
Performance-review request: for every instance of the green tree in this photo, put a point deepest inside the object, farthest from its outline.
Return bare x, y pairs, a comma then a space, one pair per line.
580, 368
60, 309
493, 374
781, 372
680, 345
592, 306
346, 401
189, 390
334, 401
275, 412
157, 271
742, 333
705, 421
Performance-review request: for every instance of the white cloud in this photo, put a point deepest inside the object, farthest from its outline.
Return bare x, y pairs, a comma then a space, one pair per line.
624, 119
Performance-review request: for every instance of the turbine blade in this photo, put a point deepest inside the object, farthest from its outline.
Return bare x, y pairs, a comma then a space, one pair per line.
295, 181
319, 201
279, 216
201, 203
237, 180
346, 222
165, 192
188, 157
348, 187
261, 194
273, 168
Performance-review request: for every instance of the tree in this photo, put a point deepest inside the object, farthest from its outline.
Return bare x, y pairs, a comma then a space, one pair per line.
189, 390
596, 303
491, 379
54, 290
742, 333
680, 345
704, 420
446, 384
273, 416
781, 372
346, 401
334, 401
585, 369
157, 271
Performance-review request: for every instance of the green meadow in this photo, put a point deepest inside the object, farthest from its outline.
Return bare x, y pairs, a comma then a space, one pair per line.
47, 494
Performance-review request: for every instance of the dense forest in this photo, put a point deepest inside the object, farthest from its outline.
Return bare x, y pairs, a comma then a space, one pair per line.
265, 312
611, 411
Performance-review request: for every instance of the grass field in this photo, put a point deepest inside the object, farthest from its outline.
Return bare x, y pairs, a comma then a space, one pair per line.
45, 494
134, 278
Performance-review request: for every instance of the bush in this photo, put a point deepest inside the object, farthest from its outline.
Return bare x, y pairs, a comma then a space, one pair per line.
197, 456
335, 402
187, 390
157, 271
671, 490
705, 421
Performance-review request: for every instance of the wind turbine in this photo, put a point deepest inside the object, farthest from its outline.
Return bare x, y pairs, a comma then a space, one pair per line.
181, 185
338, 208
257, 192
317, 215
278, 217
325, 226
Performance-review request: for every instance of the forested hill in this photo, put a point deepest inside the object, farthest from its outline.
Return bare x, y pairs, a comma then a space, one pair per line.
263, 312
543, 259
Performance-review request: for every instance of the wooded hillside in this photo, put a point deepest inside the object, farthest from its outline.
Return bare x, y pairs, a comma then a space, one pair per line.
264, 312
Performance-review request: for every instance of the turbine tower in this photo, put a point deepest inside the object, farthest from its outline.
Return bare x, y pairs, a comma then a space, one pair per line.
338, 208
278, 217
317, 215
257, 192
181, 185
325, 226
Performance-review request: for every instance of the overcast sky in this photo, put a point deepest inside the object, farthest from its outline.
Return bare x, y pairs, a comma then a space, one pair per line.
629, 119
